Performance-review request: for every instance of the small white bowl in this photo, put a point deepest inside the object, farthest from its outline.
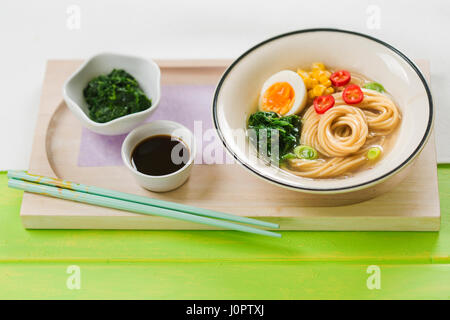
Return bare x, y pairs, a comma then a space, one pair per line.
146, 72
161, 127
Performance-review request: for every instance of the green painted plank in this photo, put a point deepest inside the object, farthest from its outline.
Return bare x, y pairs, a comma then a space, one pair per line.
223, 280
18, 244
441, 251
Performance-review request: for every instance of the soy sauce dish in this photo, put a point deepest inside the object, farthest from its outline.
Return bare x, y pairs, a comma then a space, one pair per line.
159, 154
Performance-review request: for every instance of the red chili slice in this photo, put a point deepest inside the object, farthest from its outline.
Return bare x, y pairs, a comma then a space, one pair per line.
340, 78
323, 103
352, 94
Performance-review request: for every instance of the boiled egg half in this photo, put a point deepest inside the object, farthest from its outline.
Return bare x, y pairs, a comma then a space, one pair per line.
283, 93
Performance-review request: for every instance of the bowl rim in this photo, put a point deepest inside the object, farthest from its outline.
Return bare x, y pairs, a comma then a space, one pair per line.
368, 183
155, 102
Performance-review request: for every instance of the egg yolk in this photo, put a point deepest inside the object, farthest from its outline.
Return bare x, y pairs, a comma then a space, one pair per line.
279, 98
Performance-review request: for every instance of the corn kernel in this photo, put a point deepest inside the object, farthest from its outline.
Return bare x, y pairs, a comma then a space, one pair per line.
307, 82
302, 73
319, 90
327, 73
316, 74
323, 79
329, 90
318, 66
310, 83
317, 80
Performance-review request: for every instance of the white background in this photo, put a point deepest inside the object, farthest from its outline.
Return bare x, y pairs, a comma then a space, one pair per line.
33, 31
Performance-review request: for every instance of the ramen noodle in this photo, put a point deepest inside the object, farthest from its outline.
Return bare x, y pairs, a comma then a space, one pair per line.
346, 124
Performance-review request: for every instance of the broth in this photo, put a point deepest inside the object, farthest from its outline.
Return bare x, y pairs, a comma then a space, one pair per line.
383, 142
339, 147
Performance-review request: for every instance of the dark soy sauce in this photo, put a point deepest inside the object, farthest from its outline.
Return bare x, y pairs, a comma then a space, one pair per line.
159, 155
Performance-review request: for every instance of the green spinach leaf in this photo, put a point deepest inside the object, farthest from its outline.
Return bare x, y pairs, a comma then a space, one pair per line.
265, 124
114, 95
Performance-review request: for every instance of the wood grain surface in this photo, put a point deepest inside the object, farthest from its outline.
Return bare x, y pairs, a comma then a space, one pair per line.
411, 205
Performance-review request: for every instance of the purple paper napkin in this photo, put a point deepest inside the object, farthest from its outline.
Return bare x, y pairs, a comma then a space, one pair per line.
189, 105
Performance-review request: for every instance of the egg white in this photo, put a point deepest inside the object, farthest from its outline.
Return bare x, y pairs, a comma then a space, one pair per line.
295, 81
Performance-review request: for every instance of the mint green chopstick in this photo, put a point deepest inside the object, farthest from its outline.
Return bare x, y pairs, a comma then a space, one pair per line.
22, 175
129, 206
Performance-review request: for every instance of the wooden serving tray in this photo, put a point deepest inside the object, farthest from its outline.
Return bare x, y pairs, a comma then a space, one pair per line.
413, 205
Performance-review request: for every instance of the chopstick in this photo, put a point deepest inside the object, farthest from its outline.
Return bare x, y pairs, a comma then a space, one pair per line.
123, 201
22, 175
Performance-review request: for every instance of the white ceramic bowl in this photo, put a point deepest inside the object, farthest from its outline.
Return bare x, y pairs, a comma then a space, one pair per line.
145, 71
237, 92
161, 127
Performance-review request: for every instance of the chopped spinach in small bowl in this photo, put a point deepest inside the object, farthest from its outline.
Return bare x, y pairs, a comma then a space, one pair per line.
114, 95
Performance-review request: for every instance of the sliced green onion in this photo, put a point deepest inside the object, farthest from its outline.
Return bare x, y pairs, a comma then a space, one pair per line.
374, 86
373, 153
288, 156
305, 152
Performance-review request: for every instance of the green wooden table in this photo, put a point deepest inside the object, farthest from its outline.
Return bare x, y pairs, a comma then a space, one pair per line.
221, 264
